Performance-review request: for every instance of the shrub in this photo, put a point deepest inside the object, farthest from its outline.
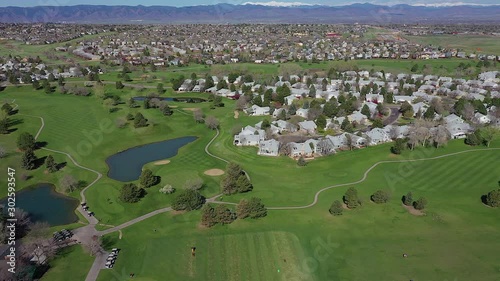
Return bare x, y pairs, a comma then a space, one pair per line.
380, 196
420, 203
336, 208
167, 189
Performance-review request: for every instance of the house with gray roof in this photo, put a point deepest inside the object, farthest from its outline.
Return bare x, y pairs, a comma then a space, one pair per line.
249, 136
269, 148
308, 127
377, 136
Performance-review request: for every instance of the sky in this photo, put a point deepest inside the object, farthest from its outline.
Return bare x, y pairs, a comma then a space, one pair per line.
179, 3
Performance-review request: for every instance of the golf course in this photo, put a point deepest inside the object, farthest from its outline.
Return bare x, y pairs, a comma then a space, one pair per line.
456, 238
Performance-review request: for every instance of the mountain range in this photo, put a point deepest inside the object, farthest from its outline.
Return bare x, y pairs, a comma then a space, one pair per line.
251, 13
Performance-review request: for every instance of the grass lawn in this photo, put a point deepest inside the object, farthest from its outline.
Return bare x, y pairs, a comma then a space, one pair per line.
70, 263
481, 44
458, 237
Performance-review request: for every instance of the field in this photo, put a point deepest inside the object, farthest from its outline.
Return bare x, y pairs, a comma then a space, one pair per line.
456, 239
60, 267
480, 44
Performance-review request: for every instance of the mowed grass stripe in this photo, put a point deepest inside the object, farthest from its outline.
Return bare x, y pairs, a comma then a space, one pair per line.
253, 259
270, 268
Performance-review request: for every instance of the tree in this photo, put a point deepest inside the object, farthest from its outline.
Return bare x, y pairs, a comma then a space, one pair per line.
4, 125
321, 122
147, 179
366, 111
351, 198
28, 160
407, 110
420, 203
473, 139
487, 134
167, 189
336, 208
188, 200
312, 91
26, 141
3, 152
68, 183
414, 68
60, 80
493, 198
301, 162
380, 196
223, 215
252, 208
377, 123
212, 122
208, 216
119, 85
194, 184
140, 121
131, 193
408, 199
399, 146
235, 180
7, 109
160, 88
165, 109
198, 115
50, 164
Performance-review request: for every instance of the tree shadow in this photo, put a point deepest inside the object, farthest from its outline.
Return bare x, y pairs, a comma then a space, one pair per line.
40, 161
403, 199
40, 144
61, 165
15, 121
11, 130
14, 111
483, 199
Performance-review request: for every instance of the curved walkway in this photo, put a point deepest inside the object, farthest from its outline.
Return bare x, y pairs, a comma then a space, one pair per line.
365, 175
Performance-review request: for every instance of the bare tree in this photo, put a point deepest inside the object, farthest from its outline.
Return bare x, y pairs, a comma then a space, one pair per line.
394, 132
325, 147
285, 148
198, 115
437, 104
120, 122
413, 139
68, 183
94, 245
194, 184
212, 122
468, 112
241, 103
441, 136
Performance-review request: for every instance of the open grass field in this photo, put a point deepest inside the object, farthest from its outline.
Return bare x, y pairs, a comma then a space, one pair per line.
71, 261
457, 239
481, 44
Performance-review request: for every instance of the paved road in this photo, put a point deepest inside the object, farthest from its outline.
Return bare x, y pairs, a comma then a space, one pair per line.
393, 117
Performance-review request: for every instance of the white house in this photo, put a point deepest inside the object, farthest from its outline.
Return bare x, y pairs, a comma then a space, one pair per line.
256, 110
269, 147
249, 136
308, 127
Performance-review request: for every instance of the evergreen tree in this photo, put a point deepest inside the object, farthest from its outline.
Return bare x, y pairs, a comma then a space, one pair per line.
130, 193
147, 178
208, 216
408, 199
26, 141
420, 203
252, 208
140, 121
493, 198
28, 160
336, 208
351, 198
223, 215
380, 196
188, 200
366, 111
50, 164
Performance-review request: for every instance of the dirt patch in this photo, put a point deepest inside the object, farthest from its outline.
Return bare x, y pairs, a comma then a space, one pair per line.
162, 162
190, 108
413, 211
236, 114
214, 172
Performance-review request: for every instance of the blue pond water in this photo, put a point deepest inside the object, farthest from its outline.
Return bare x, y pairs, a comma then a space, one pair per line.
127, 165
43, 203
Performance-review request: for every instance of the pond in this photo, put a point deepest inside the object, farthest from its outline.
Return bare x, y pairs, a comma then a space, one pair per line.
127, 165
43, 203
179, 99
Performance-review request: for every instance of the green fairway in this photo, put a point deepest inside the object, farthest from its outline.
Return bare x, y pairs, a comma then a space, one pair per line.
70, 263
481, 44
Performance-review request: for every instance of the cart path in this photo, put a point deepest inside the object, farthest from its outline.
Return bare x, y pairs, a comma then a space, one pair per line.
365, 175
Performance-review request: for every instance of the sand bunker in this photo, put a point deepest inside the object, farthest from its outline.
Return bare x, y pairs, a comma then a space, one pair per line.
236, 114
162, 162
214, 172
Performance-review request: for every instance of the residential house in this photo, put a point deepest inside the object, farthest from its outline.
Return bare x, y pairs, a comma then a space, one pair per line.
308, 127
256, 110
249, 136
377, 136
269, 147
